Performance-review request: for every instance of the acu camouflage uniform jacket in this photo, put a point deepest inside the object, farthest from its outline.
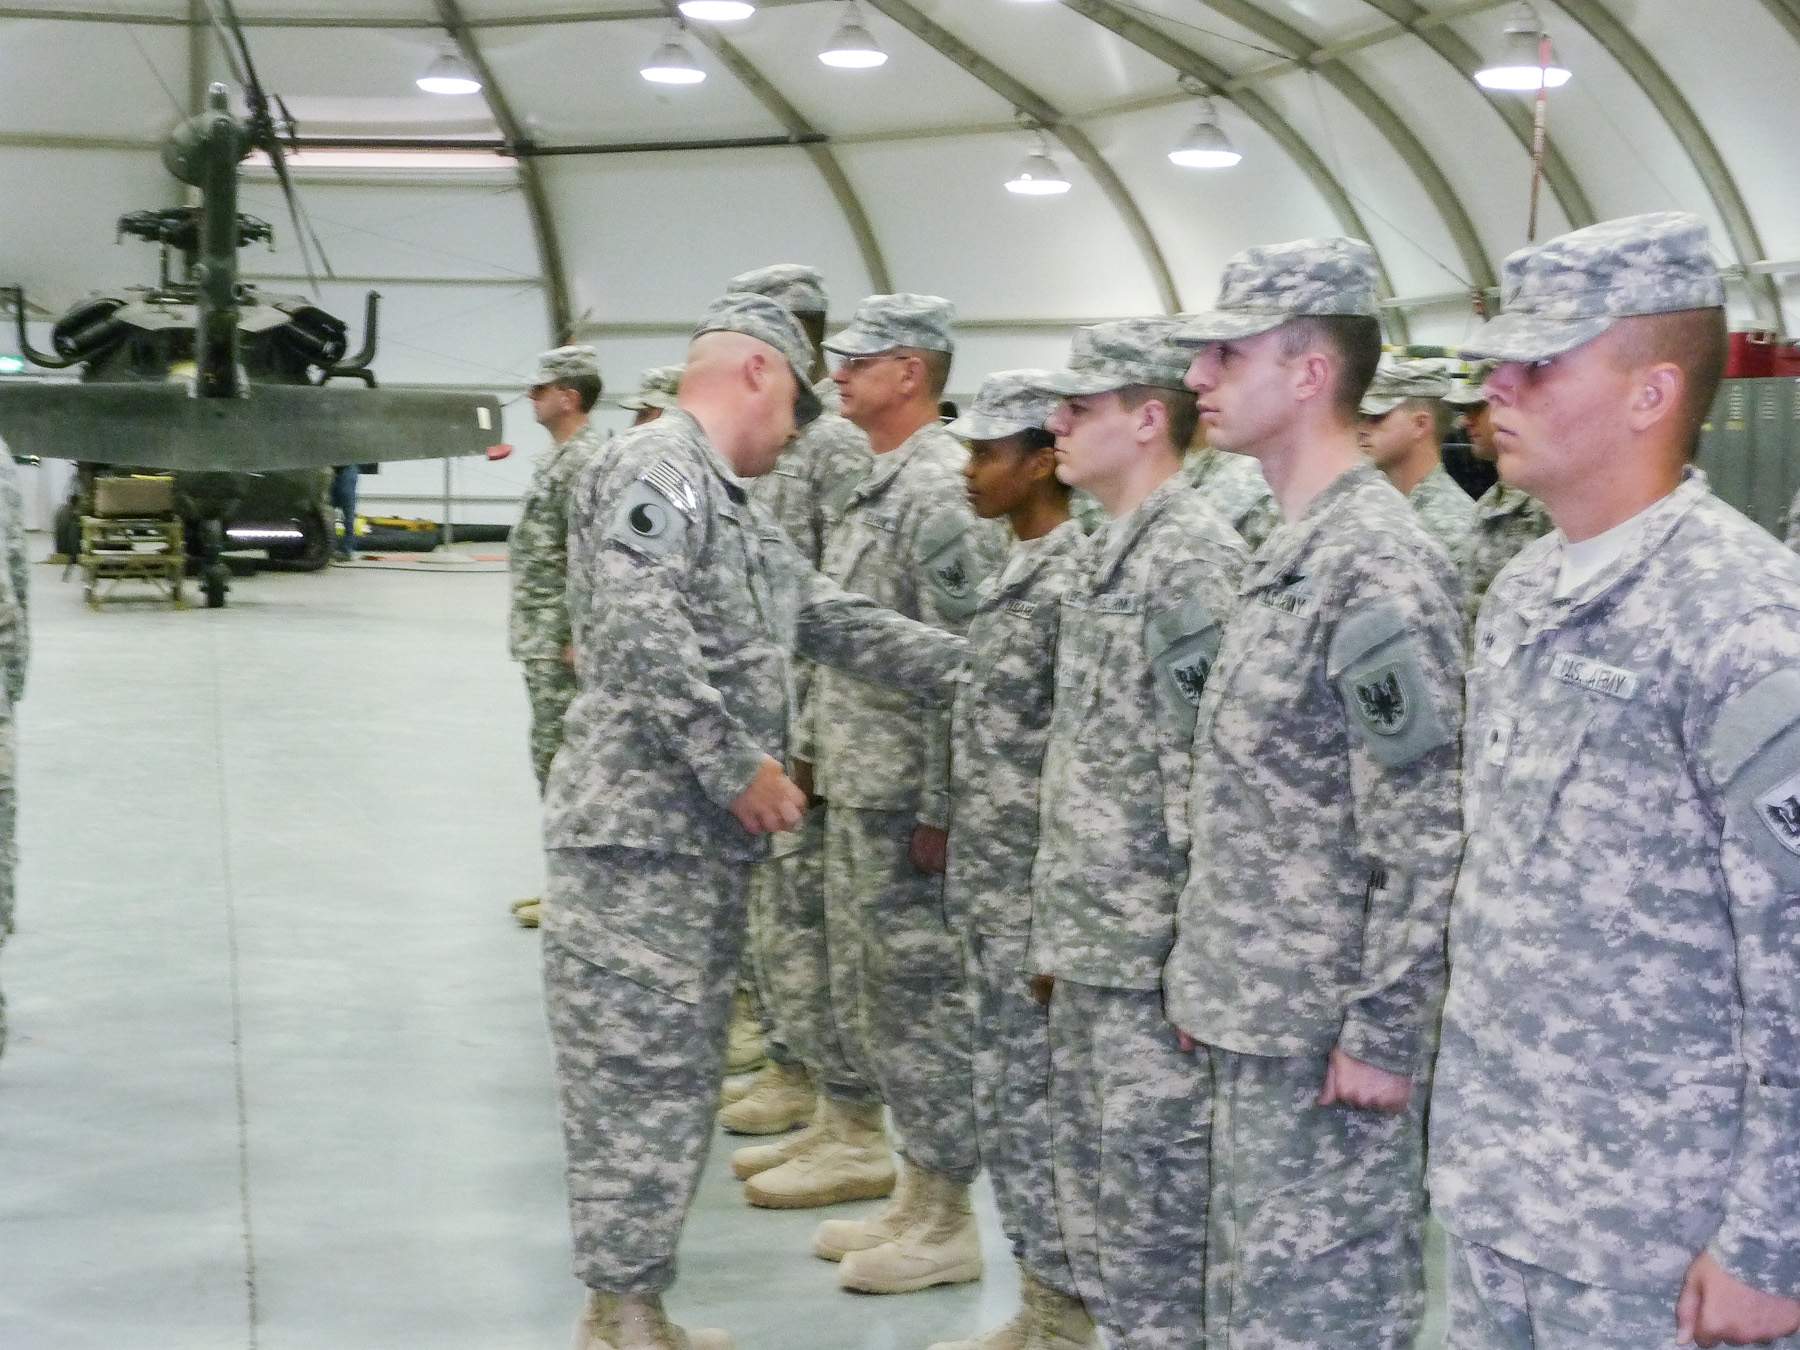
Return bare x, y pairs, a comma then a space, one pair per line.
15, 583
538, 551
1140, 627
1505, 521
1324, 802
688, 603
998, 731
1234, 486
908, 540
1619, 1084
1447, 513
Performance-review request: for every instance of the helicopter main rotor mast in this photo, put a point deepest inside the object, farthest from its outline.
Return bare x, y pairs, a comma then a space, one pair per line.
204, 152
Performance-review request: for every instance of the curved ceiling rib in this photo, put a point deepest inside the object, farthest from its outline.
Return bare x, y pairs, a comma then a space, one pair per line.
1034, 106
1787, 14
1604, 27
1479, 271
1256, 108
531, 179
815, 146
1463, 58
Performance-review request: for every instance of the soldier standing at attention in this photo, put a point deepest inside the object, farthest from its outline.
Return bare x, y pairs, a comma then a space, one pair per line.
906, 538
1505, 519
1140, 625
15, 654
1233, 486
656, 394
1308, 962
563, 390
1615, 1120
999, 727
687, 602
787, 896
1404, 422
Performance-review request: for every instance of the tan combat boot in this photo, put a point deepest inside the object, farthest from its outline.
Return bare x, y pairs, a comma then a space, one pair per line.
744, 1049
747, 1162
835, 1239
1014, 1335
849, 1160
740, 1085
1059, 1321
939, 1246
637, 1322
782, 1098
526, 911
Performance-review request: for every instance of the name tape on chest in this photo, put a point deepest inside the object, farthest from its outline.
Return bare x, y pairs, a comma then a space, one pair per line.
1022, 609
1291, 599
1594, 676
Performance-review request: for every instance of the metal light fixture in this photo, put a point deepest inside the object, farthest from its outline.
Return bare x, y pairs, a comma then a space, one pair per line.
1038, 175
1525, 63
716, 11
853, 46
1206, 146
449, 74
672, 63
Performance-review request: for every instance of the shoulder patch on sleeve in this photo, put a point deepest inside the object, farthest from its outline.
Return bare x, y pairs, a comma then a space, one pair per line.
952, 568
647, 521
1753, 756
1374, 661
1182, 644
674, 485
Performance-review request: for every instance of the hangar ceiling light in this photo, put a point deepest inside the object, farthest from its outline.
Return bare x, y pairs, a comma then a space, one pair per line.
672, 63
716, 11
449, 74
853, 46
1525, 62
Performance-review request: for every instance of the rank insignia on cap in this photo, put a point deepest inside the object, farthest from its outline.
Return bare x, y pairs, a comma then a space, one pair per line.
1780, 811
1381, 702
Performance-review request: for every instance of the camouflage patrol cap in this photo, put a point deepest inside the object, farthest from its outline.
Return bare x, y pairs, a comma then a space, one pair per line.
1466, 393
1007, 403
1567, 292
1264, 287
1109, 356
884, 322
564, 363
759, 317
1398, 379
793, 286
657, 388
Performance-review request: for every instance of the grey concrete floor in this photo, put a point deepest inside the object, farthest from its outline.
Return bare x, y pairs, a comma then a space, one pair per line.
279, 1076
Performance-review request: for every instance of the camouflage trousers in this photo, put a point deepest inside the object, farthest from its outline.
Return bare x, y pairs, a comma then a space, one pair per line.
640, 957
550, 685
1315, 1239
1012, 1103
897, 984
9, 837
789, 954
1129, 1114
1498, 1303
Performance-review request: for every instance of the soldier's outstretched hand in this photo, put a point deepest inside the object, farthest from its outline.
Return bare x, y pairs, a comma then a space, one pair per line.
1350, 1082
771, 803
1716, 1308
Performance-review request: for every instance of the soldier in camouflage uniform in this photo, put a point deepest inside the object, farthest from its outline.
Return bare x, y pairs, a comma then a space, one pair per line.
1404, 421
905, 537
15, 653
1233, 486
1505, 519
687, 602
1615, 1120
563, 390
1308, 962
657, 391
1140, 624
787, 905
999, 728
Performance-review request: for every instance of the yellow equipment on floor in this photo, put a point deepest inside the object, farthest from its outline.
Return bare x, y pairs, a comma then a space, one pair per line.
134, 535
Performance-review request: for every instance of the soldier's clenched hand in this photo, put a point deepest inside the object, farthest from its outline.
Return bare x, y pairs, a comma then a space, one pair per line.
771, 803
1350, 1082
1716, 1308
929, 850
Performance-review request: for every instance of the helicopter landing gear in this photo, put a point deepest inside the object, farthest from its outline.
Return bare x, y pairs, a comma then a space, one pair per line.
215, 573
216, 581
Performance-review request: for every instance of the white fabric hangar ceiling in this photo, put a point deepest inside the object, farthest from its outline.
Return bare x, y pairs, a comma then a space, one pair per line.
1354, 116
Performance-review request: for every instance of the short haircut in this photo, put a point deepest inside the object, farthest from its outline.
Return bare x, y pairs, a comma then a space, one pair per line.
1443, 416
1183, 409
937, 367
1354, 339
1695, 340
586, 388
1037, 439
